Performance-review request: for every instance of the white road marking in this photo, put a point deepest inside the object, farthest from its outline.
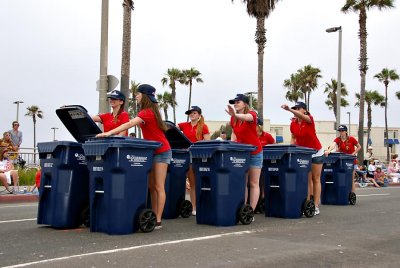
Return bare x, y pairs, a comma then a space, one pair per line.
32, 219
370, 194
17, 206
130, 248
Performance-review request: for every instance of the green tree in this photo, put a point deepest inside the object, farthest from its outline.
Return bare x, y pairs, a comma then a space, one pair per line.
332, 100
165, 101
172, 76
371, 98
260, 9
308, 80
385, 76
398, 94
126, 46
34, 112
293, 84
361, 7
132, 105
188, 76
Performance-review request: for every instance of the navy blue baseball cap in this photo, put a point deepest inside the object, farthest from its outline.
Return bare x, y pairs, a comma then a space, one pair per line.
194, 108
240, 97
260, 122
300, 104
342, 128
150, 91
116, 95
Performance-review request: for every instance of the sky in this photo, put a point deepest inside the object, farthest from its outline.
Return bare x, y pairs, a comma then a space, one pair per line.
50, 55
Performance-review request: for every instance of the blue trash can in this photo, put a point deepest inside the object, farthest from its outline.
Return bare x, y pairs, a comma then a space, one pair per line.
336, 179
64, 187
118, 169
175, 182
285, 169
220, 168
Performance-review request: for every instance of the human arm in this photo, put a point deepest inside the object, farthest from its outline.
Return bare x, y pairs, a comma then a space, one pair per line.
244, 117
358, 148
96, 118
131, 123
331, 148
297, 113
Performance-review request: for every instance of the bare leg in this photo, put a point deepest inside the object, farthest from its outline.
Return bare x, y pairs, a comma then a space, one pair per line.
254, 179
353, 185
160, 174
310, 186
192, 182
316, 180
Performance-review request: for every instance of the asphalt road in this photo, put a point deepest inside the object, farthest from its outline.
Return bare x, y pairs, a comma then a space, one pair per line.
364, 235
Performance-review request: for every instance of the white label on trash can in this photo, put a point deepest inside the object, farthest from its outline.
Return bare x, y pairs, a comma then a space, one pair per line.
350, 165
136, 161
76, 114
204, 160
48, 165
48, 156
178, 162
273, 161
303, 163
206, 169
97, 168
98, 157
273, 169
328, 170
237, 162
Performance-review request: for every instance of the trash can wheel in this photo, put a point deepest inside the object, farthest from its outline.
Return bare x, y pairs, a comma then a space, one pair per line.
308, 208
147, 220
245, 214
85, 217
185, 209
352, 198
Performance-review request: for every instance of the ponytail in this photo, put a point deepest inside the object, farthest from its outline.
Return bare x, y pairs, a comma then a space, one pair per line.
199, 131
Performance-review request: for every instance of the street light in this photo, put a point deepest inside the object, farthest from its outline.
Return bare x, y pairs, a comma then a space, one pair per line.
349, 122
17, 103
339, 82
54, 132
251, 98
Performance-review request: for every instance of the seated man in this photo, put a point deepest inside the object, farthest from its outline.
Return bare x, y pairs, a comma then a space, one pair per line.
7, 172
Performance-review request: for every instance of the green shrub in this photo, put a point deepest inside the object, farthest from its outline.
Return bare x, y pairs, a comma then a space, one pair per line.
26, 177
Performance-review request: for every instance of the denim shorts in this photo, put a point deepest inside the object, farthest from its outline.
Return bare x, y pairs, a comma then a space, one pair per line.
318, 157
256, 160
164, 157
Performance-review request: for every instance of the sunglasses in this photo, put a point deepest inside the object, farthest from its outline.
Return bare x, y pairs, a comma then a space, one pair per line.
296, 108
16, 124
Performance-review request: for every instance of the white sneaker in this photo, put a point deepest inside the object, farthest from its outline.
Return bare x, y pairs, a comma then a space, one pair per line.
316, 212
194, 213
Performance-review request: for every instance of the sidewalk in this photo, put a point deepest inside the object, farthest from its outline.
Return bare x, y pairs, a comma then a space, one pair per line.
5, 197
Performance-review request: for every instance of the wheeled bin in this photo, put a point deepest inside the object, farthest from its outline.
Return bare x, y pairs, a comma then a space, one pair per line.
220, 168
118, 169
285, 169
175, 182
64, 187
336, 179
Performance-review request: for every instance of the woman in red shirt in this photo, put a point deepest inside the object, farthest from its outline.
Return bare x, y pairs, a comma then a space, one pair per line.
153, 128
195, 130
345, 144
265, 137
304, 134
118, 116
244, 130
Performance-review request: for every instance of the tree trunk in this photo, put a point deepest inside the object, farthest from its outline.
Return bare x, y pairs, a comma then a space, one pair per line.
173, 101
126, 49
34, 139
363, 71
190, 99
369, 124
260, 40
386, 127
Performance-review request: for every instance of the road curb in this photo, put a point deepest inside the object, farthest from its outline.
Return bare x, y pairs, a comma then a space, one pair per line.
18, 198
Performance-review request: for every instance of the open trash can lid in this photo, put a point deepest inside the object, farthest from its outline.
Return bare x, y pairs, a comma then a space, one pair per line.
76, 119
175, 137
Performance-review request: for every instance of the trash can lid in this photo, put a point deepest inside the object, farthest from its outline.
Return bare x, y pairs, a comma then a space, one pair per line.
99, 146
175, 137
76, 119
276, 151
50, 146
205, 149
335, 156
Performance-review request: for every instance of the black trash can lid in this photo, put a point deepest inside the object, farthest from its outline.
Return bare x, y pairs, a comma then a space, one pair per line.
175, 137
76, 119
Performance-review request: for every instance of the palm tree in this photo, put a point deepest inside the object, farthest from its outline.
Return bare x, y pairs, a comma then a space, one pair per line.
361, 7
331, 100
260, 9
385, 76
371, 98
398, 94
132, 105
126, 46
34, 111
165, 101
308, 80
172, 76
187, 78
293, 84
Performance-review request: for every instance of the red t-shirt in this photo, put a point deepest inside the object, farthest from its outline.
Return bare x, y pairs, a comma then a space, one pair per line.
108, 121
305, 133
151, 131
190, 131
246, 132
266, 138
348, 146
37, 178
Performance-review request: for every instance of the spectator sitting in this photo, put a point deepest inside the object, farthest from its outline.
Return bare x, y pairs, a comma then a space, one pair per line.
371, 169
222, 136
379, 177
7, 172
132, 135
